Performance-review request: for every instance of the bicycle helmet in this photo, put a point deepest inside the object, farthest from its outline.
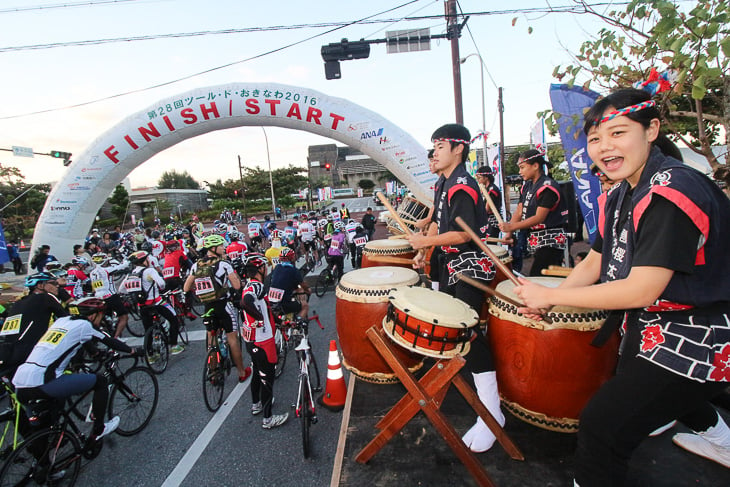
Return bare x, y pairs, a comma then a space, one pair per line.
146, 246
287, 255
321, 224
80, 261
40, 277
87, 306
339, 226
168, 236
234, 235
52, 265
212, 241
171, 244
155, 235
254, 260
138, 258
59, 273
252, 219
100, 258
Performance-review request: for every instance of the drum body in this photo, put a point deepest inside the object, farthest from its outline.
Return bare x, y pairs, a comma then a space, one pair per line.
410, 211
506, 259
362, 301
429, 322
548, 372
386, 247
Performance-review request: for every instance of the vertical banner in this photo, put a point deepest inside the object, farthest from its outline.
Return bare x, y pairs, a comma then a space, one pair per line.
569, 104
4, 257
496, 165
359, 192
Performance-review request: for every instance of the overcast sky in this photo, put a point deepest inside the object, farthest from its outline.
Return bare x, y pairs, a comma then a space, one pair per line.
413, 90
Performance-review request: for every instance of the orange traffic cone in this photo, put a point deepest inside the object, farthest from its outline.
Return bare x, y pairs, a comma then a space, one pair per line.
22, 244
335, 390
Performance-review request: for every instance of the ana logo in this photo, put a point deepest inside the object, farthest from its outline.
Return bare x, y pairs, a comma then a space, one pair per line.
371, 133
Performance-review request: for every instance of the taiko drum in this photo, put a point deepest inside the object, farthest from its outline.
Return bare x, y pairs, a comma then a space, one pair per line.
504, 257
396, 247
548, 372
362, 301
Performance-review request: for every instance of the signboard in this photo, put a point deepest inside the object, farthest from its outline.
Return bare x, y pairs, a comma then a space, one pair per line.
22, 151
410, 40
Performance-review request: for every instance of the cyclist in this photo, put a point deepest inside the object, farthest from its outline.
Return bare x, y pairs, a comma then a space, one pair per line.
336, 258
29, 318
61, 275
102, 283
254, 233
290, 234
359, 239
258, 333
176, 264
77, 278
285, 280
210, 279
151, 284
350, 228
157, 248
43, 375
236, 249
306, 235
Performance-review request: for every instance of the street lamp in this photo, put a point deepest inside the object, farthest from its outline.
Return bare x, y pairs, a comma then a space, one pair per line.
484, 122
271, 179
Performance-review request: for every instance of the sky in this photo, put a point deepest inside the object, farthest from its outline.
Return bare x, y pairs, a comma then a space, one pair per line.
412, 90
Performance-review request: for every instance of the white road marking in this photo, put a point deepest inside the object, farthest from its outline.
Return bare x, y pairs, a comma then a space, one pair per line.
188, 460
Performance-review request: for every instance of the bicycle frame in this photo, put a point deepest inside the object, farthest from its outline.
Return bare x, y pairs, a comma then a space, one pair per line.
304, 354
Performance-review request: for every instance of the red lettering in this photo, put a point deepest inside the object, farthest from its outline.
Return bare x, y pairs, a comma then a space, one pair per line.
253, 106
188, 116
335, 120
112, 154
272, 105
168, 122
146, 132
131, 143
207, 111
313, 115
294, 111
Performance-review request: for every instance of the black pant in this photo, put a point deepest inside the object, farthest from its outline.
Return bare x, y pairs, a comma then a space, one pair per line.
262, 377
639, 399
147, 313
545, 257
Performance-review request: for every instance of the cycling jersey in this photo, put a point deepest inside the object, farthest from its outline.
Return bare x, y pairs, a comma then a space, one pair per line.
350, 231
157, 248
75, 282
254, 229
290, 233
102, 283
306, 231
174, 263
258, 323
272, 254
285, 278
152, 284
336, 244
236, 250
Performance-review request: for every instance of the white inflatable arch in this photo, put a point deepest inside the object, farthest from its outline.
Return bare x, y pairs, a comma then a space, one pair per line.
74, 202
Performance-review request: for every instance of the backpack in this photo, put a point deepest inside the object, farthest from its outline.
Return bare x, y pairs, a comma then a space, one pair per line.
132, 285
207, 287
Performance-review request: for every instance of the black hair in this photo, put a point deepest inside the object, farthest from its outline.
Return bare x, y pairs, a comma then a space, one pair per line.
430, 154
534, 156
454, 131
627, 97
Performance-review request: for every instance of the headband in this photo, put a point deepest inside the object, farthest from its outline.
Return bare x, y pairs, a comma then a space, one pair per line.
624, 111
458, 141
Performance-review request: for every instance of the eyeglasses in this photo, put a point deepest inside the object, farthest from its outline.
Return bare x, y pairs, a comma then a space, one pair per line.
52, 283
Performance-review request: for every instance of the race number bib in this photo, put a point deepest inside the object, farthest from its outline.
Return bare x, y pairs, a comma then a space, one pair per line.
360, 241
97, 284
276, 295
133, 284
203, 285
274, 261
53, 337
335, 245
248, 334
253, 233
11, 326
234, 255
168, 272
289, 232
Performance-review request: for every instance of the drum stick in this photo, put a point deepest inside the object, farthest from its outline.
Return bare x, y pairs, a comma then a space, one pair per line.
559, 268
498, 240
391, 259
556, 272
497, 294
475, 238
393, 214
492, 207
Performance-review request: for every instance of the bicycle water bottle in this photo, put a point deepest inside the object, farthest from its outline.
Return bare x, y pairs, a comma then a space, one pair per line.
223, 346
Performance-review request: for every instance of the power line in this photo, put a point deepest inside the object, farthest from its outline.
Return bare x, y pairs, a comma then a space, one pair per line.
62, 5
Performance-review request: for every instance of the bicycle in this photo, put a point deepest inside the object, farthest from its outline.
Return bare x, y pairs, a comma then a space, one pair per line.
52, 456
134, 325
304, 407
287, 328
218, 363
325, 279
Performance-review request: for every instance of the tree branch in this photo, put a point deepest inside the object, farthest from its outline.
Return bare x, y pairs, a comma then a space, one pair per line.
705, 116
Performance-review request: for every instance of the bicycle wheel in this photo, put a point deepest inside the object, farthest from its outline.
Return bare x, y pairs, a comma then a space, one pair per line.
323, 281
214, 380
157, 348
134, 322
282, 347
305, 412
313, 367
47, 457
134, 400
183, 332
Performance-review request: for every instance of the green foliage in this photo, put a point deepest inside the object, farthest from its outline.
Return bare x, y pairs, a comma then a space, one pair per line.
256, 184
175, 180
366, 184
119, 201
20, 217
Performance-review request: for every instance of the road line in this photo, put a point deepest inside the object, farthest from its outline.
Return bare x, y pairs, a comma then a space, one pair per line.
188, 460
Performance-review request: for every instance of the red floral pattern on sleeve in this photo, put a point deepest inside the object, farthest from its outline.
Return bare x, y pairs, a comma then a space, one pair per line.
721, 365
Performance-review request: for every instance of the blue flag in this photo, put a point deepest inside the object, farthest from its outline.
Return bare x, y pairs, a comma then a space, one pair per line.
4, 257
569, 104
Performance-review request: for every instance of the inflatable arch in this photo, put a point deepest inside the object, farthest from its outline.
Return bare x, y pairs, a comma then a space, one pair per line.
74, 202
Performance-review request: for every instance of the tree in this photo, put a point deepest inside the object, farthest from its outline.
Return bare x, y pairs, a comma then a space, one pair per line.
175, 180
366, 184
691, 41
119, 201
22, 213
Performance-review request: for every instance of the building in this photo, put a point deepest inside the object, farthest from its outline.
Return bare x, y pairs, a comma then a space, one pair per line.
146, 202
347, 166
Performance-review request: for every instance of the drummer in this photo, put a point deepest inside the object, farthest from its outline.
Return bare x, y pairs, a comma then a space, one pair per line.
485, 178
542, 210
661, 256
425, 224
459, 195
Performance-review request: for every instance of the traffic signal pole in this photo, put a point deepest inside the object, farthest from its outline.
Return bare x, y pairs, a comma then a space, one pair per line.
453, 30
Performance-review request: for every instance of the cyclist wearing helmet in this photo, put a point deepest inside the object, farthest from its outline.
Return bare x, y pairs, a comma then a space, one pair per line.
151, 284
157, 248
305, 233
77, 278
102, 283
258, 332
350, 228
336, 215
290, 233
285, 280
235, 249
29, 318
176, 263
254, 232
335, 252
43, 375
213, 273
359, 239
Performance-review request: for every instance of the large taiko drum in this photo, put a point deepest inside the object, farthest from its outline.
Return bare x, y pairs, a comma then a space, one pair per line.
504, 257
410, 211
548, 372
362, 301
429, 322
397, 247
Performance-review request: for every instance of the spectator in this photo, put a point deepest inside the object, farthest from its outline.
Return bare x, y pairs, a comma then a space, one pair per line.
368, 222
14, 256
41, 258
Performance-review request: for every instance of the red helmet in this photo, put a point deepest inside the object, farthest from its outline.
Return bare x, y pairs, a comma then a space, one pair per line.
287, 255
87, 306
172, 243
254, 260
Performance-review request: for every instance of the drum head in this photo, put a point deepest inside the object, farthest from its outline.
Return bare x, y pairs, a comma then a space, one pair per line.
373, 284
388, 246
499, 251
433, 307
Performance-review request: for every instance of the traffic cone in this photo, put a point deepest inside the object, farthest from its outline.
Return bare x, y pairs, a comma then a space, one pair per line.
335, 391
22, 244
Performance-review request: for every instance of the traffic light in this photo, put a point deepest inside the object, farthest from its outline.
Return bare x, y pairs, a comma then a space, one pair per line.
235, 192
327, 166
66, 156
332, 54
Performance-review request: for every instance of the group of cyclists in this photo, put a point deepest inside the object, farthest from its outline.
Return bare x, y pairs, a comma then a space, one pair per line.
245, 284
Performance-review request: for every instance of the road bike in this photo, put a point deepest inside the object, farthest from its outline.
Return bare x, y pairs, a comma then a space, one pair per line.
218, 362
286, 328
326, 280
304, 408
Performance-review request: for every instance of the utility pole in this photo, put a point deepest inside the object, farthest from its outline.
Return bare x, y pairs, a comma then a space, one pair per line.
505, 186
243, 190
309, 183
453, 30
